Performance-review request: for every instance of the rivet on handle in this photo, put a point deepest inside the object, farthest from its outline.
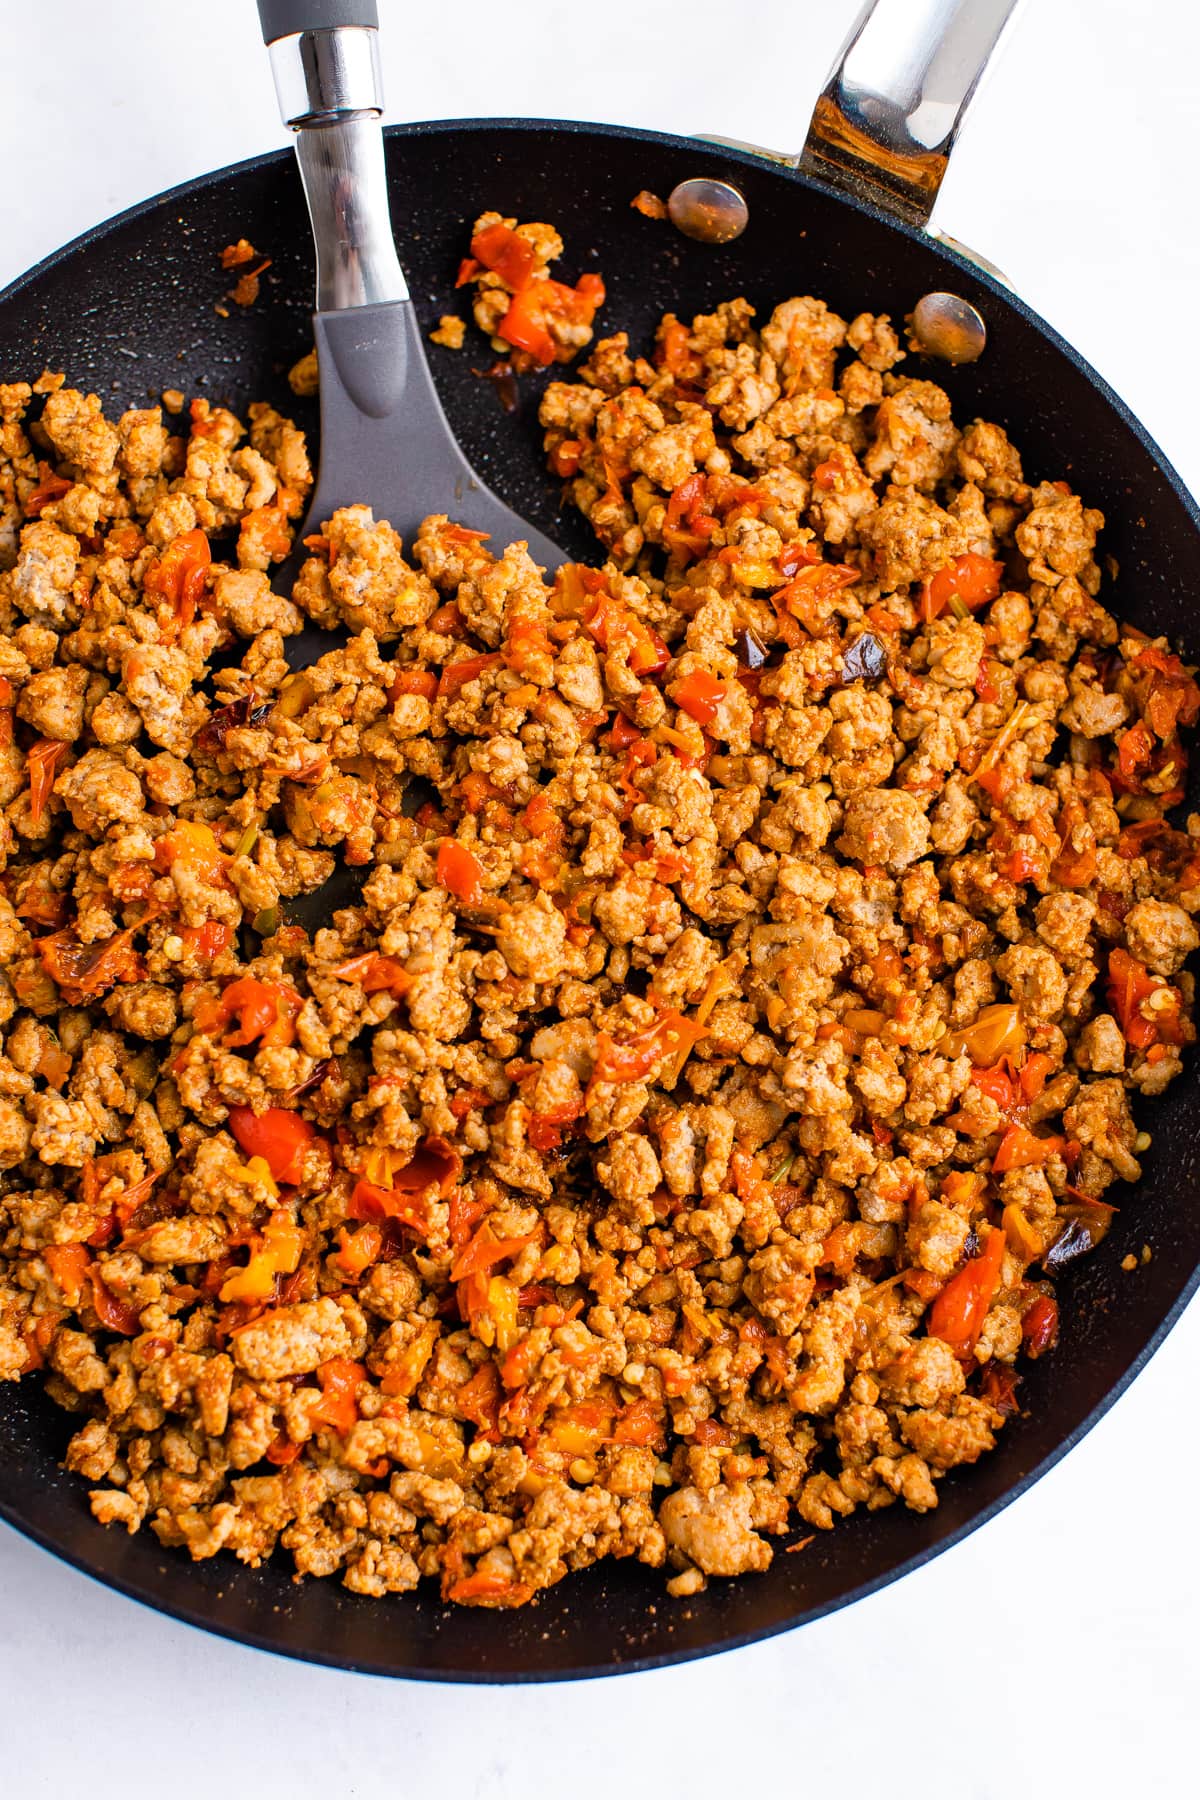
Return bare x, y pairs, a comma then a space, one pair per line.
948, 327
708, 210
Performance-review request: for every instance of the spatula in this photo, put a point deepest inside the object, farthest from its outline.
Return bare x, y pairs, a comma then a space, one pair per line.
385, 440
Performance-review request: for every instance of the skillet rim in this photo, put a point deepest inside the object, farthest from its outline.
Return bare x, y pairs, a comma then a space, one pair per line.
143, 1592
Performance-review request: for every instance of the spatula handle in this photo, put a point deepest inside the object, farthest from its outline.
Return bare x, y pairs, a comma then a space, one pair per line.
283, 18
325, 60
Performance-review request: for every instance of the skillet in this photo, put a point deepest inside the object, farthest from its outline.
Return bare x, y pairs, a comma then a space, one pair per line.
128, 309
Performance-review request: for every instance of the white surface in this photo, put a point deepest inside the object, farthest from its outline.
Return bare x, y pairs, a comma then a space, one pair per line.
1055, 1651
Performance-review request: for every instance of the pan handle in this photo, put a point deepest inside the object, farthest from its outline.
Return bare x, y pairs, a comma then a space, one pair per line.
886, 120
330, 89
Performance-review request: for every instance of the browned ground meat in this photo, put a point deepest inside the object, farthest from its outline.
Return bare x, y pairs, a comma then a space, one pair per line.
669, 1147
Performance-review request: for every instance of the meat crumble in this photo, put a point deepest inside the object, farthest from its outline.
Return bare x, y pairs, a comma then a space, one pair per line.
761, 939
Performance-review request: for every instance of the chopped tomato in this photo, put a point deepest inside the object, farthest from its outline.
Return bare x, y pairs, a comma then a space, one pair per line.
700, 695
674, 352
1033, 1074
456, 675
958, 1313
1020, 1148
809, 594
508, 255
192, 844
357, 1250
882, 620
266, 1012
1133, 994
1075, 864
50, 487
566, 457
478, 1400
465, 1214
422, 682
266, 528
281, 1137
69, 1264
282, 1452
207, 941
531, 311
337, 1408
635, 1056
277, 1250
485, 1588
526, 644
985, 683
484, 1251
434, 1163
614, 627
460, 872
43, 757
1039, 1327
972, 578
84, 971
1172, 698
376, 974
468, 268
115, 1315
180, 576
372, 1204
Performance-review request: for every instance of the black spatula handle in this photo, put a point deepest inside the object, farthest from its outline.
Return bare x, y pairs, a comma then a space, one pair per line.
283, 18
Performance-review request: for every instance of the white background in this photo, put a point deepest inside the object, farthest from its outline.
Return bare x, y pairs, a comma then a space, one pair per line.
1055, 1652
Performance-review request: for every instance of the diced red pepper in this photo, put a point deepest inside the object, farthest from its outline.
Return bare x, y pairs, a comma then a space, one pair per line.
566, 457
115, 1315
266, 1012
281, 1137
1130, 987
958, 1313
468, 268
635, 1056
700, 695
624, 733
1020, 1148
456, 675
422, 682
499, 248
43, 757
180, 576
69, 1265
50, 487
1039, 1327
84, 971
372, 1204
526, 323
376, 974
974, 579
484, 1251
357, 1250
460, 872
337, 1408
612, 625
207, 941
478, 1400
433, 1164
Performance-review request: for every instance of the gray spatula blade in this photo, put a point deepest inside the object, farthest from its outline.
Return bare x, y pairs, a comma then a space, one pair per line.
385, 440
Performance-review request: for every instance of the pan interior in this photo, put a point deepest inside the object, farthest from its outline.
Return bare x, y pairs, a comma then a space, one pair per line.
130, 311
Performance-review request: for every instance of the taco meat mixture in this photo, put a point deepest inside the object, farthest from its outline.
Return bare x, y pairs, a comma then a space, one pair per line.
762, 937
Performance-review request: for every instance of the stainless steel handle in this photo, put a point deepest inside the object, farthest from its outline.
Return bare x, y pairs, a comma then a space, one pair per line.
887, 118
331, 95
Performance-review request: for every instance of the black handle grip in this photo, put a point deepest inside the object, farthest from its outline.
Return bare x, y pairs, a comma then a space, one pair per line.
282, 18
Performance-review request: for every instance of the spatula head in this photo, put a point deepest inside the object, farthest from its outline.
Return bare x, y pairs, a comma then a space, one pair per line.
387, 444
